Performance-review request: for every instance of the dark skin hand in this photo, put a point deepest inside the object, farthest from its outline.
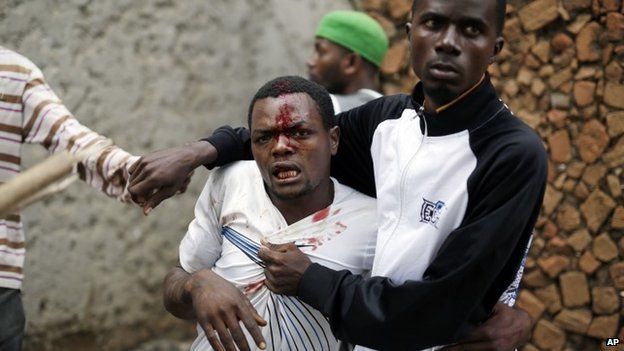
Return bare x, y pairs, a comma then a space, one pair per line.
164, 173
219, 308
285, 265
505, 330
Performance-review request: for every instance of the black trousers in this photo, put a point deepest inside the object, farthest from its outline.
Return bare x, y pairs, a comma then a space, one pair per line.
12, 320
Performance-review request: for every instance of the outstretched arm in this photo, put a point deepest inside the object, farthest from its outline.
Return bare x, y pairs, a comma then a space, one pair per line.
159, 175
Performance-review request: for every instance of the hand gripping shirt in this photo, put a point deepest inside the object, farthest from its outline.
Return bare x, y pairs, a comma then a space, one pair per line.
232, 215
458, 194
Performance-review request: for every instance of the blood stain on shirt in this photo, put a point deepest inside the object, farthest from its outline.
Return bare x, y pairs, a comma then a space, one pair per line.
253, 287
320, 215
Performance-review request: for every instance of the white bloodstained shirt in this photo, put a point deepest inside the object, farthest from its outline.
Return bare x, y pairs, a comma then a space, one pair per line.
234, 213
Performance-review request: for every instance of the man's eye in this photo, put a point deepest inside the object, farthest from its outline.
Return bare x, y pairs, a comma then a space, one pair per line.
472, 31
431, 23
263, 139
299, 133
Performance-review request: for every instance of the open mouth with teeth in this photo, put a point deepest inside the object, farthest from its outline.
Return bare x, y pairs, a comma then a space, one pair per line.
285, 172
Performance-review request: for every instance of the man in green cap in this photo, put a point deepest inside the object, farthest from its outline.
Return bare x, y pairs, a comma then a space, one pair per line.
348, 51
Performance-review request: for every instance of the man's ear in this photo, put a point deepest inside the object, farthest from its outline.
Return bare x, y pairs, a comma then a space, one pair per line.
351, 62
334, 139
498, 47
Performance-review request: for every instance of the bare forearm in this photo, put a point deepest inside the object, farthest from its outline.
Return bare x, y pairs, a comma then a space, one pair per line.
176, 297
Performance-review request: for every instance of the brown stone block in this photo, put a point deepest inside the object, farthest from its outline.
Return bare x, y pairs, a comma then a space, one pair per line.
533, 119
587, 45
552, 197
560, 101
615, 156
513, 30
596, 209
586, 72
531, 304
581, 191
615, 123
549, 230
617, 220
588, 263
584, 93
549, 295
557, 245
573, 5
568, 217
553, 265
538, 87
576, 321
614, 95
574, 289
604, 327
373, 5
399, 9
579, 23
559, 145
592, 141
537, 14
614, 72
386, 24
604, 248
396, 58
557, 79
535, 279
542, 50
548, 336
560, 42
511, 88
530, 347
616, 271
525, 76
614, 185
575, 169
615, 26
605, 300
579, 240
611, 5
594, 174
569, 185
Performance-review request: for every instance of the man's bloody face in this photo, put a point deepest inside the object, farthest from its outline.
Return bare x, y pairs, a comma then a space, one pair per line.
291, 146
324, 66
451, 44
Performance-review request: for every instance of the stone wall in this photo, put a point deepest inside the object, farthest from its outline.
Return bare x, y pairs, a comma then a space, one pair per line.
150, 74
561, 72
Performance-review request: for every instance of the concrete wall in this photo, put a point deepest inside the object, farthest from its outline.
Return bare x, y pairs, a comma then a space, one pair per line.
150, 74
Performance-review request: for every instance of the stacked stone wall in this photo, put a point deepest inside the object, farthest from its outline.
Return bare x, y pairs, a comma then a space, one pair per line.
561, 72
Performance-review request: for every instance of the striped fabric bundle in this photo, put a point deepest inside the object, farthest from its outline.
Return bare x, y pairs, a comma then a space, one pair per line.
31, 113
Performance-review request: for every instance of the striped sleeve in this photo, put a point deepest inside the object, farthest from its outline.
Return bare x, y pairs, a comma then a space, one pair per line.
48, 122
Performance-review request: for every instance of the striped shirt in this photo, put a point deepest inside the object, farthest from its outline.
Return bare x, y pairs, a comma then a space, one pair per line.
31, 113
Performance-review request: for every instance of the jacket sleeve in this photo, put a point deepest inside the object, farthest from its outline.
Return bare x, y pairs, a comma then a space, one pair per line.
463, 282
352, 165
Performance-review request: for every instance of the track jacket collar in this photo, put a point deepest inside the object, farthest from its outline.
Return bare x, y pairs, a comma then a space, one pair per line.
468, 112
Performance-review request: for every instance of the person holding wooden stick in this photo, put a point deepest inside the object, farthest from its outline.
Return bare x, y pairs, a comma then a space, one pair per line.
30, 113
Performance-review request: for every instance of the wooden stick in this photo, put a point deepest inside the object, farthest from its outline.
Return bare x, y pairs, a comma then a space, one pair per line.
34, 180
44, 179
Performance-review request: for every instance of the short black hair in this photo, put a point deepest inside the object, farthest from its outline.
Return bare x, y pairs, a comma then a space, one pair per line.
501, 10
292, 85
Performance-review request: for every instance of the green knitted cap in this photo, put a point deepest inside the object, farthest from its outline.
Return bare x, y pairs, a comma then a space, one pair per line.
357, 32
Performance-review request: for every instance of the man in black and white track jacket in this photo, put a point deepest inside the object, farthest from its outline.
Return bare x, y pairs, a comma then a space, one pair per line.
459, 182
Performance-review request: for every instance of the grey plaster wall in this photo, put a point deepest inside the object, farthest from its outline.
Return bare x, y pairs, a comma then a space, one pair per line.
150, 74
